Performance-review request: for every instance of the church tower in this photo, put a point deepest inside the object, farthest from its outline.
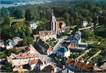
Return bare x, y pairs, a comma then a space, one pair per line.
53, 22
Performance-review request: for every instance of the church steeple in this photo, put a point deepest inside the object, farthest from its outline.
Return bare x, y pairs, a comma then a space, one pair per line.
52, 13
53, 22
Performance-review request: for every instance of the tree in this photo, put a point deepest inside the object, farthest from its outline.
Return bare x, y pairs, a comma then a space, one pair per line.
75, 30
2, 55
102, 19
27, 40
87, 34
7, 33
67, 18
28, 15
41, 25
89, 19
7, 67
20, 29
101, 32
13, 50
17, 13
4, 12
6, 21
5, 29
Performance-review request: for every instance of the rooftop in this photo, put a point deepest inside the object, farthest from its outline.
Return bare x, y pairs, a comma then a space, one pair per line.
24, 55
81, 65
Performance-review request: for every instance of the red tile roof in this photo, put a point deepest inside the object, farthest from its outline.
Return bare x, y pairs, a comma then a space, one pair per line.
24, 55
81, 65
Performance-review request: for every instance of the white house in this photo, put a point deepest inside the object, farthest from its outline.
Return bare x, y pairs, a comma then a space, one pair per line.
67, 54
16, 40
33, 25
85, 23
12, 42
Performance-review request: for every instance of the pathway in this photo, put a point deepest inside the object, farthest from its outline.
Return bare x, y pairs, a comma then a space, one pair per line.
83, 54
93, 56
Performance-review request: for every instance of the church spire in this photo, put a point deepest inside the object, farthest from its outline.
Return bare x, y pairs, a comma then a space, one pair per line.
52, 13
53, 22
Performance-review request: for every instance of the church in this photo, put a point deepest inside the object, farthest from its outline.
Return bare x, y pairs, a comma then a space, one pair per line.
57, 26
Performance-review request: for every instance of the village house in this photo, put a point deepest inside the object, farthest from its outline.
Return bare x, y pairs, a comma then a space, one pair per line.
75, 42
10, 43
80, 66
30, 60
23, 59
44, 35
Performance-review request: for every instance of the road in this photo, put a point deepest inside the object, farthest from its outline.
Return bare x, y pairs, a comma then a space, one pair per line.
59, 43
86, 28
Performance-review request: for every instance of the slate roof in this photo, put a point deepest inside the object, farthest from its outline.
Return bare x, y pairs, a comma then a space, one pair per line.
75, 38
